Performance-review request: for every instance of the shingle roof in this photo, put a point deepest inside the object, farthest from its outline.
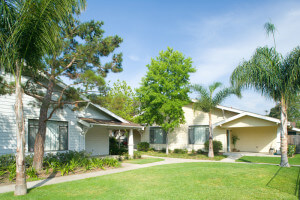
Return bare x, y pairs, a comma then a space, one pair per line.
108, 122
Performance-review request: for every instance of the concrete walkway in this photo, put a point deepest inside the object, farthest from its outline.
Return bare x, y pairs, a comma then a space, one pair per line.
233, 156
125, 167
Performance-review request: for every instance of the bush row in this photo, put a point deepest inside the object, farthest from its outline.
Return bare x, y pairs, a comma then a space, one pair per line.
61, 162
217, 147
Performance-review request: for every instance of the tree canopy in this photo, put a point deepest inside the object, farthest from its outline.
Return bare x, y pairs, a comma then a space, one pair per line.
164, 90
120, 99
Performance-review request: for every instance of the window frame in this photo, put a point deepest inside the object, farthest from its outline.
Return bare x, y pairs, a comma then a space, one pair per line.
58, 126
193, 127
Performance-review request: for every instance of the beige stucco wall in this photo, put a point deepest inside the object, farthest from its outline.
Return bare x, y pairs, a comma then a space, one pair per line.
256, 135
248, 121
255, 139
178, 139
97, 141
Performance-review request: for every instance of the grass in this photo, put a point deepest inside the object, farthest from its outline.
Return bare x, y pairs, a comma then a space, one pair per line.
186, 155
180, 181
144, 160
274, 160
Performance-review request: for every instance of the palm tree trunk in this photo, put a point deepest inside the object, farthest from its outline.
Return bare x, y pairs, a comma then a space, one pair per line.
211, 147
284, 121
41, 135
21, 187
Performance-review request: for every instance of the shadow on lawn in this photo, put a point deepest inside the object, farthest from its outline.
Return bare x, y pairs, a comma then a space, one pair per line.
51, 176
297, 189
244, 160
280, 175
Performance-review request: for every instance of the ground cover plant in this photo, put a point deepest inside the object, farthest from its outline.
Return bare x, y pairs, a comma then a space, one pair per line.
59, 164
182, 154
180, 181
274, 160
144, 160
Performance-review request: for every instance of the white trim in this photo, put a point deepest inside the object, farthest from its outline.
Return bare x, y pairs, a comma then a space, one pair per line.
296, 129
271, 119
118, 126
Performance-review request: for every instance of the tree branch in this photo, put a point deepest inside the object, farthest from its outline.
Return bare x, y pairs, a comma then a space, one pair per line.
68, 66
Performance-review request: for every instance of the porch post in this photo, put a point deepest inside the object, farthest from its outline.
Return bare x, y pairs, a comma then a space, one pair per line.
130, 143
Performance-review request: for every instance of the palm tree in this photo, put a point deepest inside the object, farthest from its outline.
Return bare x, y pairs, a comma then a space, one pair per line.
275, 77
27, 32
207, 103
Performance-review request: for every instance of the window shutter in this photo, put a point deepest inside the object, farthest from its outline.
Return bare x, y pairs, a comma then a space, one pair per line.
164, 137
63, 137
191, 135
207, 133
152, 132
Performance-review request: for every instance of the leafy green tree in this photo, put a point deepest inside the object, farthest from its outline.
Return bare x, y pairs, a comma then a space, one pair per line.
165, 90
27, 32
77, 58
276, 78
293, 111
120, 99
207, 102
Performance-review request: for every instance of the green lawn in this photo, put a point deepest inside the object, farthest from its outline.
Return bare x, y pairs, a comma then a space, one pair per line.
180, 181
187, 156
275, 160
144, 160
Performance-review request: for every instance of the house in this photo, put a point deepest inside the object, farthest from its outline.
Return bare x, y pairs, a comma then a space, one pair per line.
87, 129
256, 133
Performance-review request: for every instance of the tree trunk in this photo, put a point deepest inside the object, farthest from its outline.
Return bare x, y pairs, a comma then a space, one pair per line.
21, 187
167, 143
41, 135
284, 121
210, 147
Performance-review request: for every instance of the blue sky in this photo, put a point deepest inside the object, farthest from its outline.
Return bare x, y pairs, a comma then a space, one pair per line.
217, 35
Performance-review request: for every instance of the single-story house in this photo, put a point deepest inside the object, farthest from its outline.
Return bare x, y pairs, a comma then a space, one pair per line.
87, 129
256, 133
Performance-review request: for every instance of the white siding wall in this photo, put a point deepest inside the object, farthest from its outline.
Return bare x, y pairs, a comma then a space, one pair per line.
97, 141
178, 139
93, 112
31, 111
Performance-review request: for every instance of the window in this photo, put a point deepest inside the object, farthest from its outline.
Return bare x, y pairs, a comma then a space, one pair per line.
198, 134
157, 135
56, 135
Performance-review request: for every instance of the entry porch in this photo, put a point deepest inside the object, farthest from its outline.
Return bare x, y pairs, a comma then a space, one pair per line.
97, 133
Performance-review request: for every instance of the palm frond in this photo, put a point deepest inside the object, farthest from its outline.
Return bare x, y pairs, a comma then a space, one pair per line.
261, 72
214, 86
270, 28
223, 94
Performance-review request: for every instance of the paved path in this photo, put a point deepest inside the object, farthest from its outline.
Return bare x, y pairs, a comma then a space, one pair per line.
125, 167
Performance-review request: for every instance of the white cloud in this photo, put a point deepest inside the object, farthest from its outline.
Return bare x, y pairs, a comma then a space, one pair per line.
133, 57
228, 41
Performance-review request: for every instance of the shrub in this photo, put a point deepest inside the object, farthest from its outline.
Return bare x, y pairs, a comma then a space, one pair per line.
143, 146
200, 151
137, 155
31, 172
12, 172
151, 149
114, 147
217, 146
181, 151
291, 150
6, 161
